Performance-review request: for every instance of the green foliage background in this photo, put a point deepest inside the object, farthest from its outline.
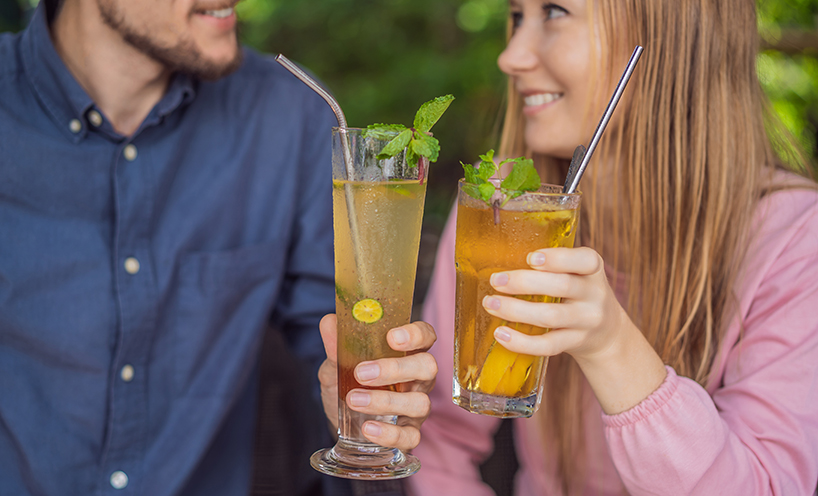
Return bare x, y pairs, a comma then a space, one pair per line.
383, 58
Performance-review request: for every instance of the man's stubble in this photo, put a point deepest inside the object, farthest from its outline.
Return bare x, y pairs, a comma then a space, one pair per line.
183, 57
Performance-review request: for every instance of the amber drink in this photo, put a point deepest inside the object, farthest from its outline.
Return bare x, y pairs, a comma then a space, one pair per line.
489, 379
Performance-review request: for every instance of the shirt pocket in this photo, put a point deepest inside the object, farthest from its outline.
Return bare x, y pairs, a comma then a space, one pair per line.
224, 301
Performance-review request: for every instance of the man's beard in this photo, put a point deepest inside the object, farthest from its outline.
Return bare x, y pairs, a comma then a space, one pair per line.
183, 57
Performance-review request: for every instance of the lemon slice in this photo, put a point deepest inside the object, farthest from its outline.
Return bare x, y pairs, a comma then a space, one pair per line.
367, 311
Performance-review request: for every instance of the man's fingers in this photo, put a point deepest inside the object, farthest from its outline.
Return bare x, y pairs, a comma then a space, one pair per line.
378, 402
411, 337
405, 438
329, 334
328, 374
386, 371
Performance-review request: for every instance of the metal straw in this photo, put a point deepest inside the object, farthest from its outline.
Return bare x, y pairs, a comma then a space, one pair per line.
342, 124
573, 182
339, 114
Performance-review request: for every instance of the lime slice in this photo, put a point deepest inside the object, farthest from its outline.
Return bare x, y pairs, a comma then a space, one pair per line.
367, 311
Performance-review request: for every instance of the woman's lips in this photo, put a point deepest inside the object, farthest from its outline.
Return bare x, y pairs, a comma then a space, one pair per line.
538, 101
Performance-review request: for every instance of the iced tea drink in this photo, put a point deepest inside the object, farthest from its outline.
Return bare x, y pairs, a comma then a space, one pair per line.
489, 379
377, 209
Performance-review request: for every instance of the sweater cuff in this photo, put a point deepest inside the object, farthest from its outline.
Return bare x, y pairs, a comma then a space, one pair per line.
648, 406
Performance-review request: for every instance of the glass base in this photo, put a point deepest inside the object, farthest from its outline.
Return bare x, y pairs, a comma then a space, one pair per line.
493, 406
364, 461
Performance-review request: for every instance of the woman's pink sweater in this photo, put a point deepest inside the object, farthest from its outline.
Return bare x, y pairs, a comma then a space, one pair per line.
753, 430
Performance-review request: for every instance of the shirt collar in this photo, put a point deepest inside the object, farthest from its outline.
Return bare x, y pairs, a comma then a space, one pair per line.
64, 99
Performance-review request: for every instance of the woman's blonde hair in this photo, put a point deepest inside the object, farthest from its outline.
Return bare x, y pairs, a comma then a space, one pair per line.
693, 156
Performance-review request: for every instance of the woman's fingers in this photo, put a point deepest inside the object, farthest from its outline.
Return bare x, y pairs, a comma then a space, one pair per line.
386, 371
379, 402
581, 261
548, 344
403, 437
548, 315
531, 282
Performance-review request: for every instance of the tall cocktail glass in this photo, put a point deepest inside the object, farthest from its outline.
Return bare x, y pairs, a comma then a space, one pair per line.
377, 218
489, 379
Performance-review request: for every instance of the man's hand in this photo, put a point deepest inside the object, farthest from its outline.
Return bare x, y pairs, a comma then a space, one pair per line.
414, 374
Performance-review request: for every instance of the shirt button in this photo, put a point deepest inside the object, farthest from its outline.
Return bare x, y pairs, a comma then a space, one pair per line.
131, 265
127, 373
95, 118
119, 479
130, 153
75, 126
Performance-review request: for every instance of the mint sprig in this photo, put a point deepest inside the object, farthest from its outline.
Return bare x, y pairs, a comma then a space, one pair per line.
416, 140
522, 178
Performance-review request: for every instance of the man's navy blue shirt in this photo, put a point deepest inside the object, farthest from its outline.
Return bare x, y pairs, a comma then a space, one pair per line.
138, 273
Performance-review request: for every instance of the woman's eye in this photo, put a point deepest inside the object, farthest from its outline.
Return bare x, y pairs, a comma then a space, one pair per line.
553, 11
516, 19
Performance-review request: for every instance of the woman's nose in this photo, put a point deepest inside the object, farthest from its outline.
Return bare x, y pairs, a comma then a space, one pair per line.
520, 54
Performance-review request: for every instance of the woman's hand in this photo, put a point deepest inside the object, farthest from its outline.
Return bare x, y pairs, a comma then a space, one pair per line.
589, 324
415, 374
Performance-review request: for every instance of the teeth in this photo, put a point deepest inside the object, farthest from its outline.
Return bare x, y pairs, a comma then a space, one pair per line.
541, 98
220, 14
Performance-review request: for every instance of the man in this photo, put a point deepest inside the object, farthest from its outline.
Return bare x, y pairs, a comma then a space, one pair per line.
164, 197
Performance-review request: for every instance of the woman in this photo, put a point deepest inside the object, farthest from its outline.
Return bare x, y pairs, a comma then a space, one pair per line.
685, 352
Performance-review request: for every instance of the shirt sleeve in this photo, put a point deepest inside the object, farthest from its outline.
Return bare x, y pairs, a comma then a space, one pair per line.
453, 441
308, 291
757, 433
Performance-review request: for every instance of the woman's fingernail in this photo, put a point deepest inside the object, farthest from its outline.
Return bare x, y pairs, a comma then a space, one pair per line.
400, 336
372, 429
536, 258
501, 334
359, 399
491, 303
499, 279
368, 372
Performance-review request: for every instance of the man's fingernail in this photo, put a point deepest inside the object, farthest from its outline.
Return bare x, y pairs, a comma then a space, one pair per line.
359, 399
536, 258
400, 336
368, 372
491, 303
501, 334
499, 279
372, 429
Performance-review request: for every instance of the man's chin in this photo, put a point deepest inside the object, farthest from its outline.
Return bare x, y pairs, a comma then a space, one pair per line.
209, 70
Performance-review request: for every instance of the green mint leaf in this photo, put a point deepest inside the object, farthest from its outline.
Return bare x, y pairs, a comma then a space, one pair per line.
396, 145
488, 156
383, 131
472, 190
487, 169
470, 173
486, 191
412, 158
523, 177
430, 112
425, 145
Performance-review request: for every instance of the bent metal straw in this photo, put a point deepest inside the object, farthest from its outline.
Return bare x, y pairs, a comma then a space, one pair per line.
342, 124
